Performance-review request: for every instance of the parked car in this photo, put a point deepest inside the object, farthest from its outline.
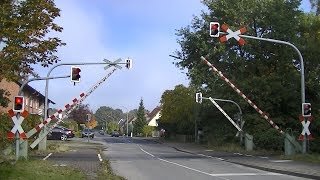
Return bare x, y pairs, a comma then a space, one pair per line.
70, 132
58, 133
115, 134
101, 132
87, 133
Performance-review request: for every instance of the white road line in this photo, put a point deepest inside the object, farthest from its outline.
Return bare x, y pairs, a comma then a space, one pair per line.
177, 164
280, 161
208, 150
204, 155
184, 166
214, 175
246, 174
248, 155
146, 151
220, 159
47, 156
238, 154
263, 157
99, 156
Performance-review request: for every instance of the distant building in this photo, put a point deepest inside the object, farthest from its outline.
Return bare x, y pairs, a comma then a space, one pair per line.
154, 116
34, 100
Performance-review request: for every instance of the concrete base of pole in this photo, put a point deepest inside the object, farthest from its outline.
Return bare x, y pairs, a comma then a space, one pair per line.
23, 150
42, 146
248, 142
291, 146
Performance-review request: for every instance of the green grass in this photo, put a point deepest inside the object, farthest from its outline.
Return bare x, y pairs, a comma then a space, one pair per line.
37, 169
314, 158
106, 172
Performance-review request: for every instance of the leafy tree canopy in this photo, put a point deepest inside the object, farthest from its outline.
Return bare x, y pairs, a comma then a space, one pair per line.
264, 71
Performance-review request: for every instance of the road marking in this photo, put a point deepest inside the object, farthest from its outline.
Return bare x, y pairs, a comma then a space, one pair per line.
204, 155
214, 175
280, 161
47, 156
248, 155
246, 174
263, 157
146, 151
99, 156
238, 154
210, 157
208, 150
184, 166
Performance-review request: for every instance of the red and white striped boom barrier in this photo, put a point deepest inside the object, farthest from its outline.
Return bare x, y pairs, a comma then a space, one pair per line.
73, 105
219, 73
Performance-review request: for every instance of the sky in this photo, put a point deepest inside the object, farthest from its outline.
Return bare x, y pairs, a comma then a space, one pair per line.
141, 30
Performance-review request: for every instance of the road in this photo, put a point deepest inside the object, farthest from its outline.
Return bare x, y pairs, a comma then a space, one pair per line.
139, 159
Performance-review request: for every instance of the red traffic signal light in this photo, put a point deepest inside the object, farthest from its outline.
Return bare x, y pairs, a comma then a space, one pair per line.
18, 105
75, 74
306, 109
214, 29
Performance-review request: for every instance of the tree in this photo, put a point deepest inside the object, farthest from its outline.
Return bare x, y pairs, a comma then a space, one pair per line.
112, 126
92, 123
177, 114
80, 113
106, 114
24, 39
262, 70
141, 119
315, 5
147, 130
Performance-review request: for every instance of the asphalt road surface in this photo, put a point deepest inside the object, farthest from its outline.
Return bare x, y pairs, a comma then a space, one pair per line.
138, 159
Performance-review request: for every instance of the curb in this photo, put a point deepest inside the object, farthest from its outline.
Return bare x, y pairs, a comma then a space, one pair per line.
261, 168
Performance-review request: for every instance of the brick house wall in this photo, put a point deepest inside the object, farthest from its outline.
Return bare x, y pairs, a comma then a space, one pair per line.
33, 100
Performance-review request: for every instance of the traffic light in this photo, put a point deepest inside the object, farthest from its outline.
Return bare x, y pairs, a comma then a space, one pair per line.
199, 97
214, 29
18, 105
306, 109
88, 117
128, 63
75, 74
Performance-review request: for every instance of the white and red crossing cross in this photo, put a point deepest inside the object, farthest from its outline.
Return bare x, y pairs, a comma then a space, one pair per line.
232, 34
305, 128
17, 124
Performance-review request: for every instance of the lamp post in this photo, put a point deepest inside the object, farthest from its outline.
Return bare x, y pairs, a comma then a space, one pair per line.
127, 118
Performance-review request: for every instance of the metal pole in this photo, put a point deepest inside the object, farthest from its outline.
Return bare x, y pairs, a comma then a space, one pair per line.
24, 147
17, 139
240, 111
127, 123
303, 98
47, 84
37, 79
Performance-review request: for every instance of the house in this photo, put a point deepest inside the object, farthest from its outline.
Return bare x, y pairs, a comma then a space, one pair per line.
34, 100
154, 116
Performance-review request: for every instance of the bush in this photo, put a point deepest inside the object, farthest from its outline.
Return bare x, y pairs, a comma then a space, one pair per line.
269, 139
147, 130
5, 126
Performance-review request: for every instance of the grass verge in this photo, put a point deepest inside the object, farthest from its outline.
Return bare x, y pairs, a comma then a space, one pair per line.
106, 172
313, 158
37, 169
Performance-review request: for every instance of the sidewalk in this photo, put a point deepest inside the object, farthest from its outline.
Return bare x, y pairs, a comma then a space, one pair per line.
271, 164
